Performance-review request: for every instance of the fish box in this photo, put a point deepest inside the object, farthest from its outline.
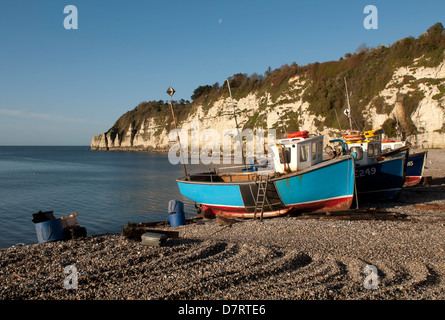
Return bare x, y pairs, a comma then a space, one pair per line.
153, 239
51, 230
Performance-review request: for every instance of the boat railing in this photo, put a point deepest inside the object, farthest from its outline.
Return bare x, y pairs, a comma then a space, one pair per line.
205, 177
230, 176
233, 167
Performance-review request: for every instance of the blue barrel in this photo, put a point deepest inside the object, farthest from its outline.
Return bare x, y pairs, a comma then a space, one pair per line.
50, 230
175, 206
176, 215
176, 219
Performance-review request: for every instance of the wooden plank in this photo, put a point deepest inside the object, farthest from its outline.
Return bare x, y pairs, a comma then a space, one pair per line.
147, 224
135, 233
363, 217
429, 207
357, 214
161, 223
169, 234
346, 212
224, 221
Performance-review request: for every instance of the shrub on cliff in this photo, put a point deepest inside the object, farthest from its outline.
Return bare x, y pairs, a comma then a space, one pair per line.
201, 90
367, 72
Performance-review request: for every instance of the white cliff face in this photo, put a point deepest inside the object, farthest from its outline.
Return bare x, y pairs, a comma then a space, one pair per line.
99, 142
429, 117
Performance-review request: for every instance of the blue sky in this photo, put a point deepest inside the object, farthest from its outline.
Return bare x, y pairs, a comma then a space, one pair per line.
61, 87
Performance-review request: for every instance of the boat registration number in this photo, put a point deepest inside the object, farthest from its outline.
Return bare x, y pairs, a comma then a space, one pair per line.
365, 172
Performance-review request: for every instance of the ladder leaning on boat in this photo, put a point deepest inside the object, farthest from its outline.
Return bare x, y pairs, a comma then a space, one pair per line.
261, 196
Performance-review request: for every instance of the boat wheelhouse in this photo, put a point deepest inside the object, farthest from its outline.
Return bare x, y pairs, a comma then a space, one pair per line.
378, 176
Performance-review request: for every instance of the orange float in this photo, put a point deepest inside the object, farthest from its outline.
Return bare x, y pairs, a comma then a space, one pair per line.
299, 134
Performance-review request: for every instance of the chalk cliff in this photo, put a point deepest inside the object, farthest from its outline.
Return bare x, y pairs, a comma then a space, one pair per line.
400, 88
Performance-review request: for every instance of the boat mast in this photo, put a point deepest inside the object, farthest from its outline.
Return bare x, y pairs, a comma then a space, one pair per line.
171, 92
237, 127
282, 124
397, 127
301, 114
349, 106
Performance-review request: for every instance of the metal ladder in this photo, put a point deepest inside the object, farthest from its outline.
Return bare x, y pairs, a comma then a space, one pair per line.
261, 197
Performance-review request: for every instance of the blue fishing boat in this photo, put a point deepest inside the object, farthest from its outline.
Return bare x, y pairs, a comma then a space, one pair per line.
379, 176
416, 160
415, 165
297, 180
414, 168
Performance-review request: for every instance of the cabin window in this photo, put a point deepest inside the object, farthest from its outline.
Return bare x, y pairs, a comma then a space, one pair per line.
286, 154
314, 151
304, 153
376, 149
319, 149
358, 151
370, 150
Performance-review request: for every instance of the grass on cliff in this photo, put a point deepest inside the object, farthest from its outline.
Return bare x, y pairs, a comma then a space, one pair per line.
367, 73
159, 111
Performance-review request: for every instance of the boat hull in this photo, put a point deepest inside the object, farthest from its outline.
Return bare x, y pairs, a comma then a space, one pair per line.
325, 186
414, 168
382, 180
244, 214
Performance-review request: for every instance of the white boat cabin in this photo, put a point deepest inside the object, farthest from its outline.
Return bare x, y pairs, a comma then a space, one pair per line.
391, 145
365, 152
290, 155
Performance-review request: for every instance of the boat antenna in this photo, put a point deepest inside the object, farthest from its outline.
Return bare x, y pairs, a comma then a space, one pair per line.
397, 126
349, 106
171, 92
301, 114
281, 122
237, 127
338, 120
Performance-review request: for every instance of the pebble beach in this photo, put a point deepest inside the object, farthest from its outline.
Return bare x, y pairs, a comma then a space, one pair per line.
286, 258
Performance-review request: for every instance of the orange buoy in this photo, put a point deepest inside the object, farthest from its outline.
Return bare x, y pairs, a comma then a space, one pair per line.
299, 134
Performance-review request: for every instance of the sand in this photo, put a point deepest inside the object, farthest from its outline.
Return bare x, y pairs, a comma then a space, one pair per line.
282, 258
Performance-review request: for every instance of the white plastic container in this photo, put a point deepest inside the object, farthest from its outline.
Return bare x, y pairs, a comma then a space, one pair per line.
153, 239
69, 220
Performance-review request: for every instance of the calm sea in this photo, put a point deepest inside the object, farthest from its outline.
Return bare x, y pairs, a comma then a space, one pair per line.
107, 189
